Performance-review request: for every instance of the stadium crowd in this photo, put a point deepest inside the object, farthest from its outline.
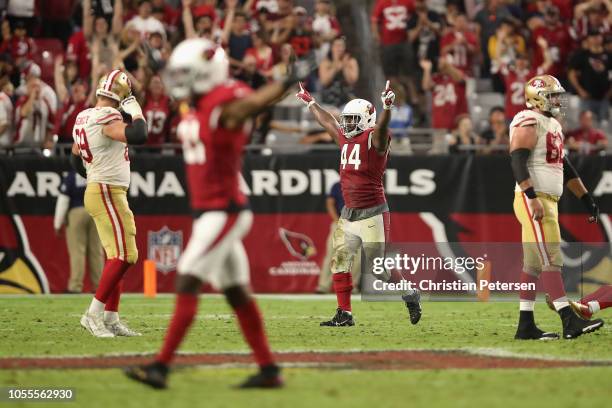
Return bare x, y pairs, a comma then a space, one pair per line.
53, 52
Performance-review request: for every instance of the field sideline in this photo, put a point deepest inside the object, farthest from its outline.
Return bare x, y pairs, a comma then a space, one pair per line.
446, 360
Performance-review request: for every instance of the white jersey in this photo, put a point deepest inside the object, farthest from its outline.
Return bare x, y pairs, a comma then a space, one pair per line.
6, 119
545, 163
106, 160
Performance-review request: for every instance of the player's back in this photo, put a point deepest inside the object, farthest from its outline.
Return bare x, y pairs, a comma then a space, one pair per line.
545, 162
361, 171
106, 160
213, 154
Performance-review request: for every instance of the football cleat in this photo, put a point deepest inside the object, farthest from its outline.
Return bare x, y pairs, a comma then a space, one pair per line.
413, 304
581, 310
118, 328
94, 323
154, 374
534, 333
575, 326
341, 318
267, 377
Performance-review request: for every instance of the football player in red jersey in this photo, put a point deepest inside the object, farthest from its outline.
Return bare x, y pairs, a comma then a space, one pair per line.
213, 137
364, 221
157, 112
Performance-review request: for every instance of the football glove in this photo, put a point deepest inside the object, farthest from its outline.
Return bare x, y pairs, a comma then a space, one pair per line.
130, 106
387, 97
305, 96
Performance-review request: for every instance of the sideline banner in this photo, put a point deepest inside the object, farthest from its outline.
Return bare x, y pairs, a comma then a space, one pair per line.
455, 199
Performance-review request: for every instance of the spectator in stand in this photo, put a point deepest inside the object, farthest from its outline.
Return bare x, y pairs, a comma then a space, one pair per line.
17, 44
337, 75
33, 117
401, 112
144, 22
462, 137
157, 110
236, 35
447, 86
589, 74
424, 29
6, 112
81, 235
262, 52
592, 15
487, 20
279, 70
504, 48
560, 43
389, 23
157, 50
250, 74
283, 22
71, 101
325, 28
497, 132
96, 39
586, 139
48, 96
515, 76
166, 13
461, 43
301, 37
200, 22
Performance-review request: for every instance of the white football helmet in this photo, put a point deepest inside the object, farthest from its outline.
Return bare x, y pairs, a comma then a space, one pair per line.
196, 66
357, 116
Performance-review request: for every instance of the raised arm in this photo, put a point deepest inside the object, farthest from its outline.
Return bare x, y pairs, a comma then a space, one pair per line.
60, 83
87, 19
325, 119
380, 135
426, 82
190, 31
574, 184
134, 133
117, 24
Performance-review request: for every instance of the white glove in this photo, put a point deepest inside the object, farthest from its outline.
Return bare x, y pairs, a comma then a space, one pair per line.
387, 97
131, 107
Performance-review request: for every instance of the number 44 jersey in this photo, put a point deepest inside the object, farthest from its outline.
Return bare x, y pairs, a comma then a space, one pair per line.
545, 163
106, 160
361, 170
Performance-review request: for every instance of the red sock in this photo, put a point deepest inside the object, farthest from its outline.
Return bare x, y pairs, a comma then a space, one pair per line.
252, 327
553, 284
528, 295
114, 269
184, 312
343, 286
603, 295
112, 304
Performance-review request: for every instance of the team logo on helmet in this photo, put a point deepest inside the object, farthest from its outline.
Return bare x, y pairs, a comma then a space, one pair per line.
538, 83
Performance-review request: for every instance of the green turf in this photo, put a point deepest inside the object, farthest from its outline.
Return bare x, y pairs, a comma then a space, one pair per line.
49, 326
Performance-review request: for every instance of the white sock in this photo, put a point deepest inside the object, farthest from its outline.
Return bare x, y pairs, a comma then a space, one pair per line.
110, 317
560, 303
526, 305
594, 306
96, 306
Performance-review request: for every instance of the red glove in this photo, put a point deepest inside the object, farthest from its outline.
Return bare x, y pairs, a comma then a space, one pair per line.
304, 96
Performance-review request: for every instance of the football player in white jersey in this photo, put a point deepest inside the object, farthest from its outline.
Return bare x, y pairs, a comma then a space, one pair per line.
541, 170
100, 153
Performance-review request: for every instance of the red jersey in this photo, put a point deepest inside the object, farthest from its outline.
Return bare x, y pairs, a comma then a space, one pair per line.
462, 56
79, 51
361, 171
560, 44
18, 47
64, 121
448, 101
213, 155
515, 89
392, 16
157, 114
590, 136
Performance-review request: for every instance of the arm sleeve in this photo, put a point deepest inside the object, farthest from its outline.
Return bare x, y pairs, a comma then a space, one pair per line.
518, 160
136, 132
77, 164
569, 172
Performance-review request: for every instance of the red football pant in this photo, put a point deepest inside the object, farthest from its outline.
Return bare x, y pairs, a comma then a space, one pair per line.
114, 269
252, 327
112, 304
184, 312
343, 286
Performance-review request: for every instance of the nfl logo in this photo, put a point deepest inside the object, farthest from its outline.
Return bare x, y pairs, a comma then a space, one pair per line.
165, 248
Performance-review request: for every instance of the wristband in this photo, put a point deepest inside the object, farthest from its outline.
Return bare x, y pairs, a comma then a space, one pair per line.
530, 193
309, 104
588, 201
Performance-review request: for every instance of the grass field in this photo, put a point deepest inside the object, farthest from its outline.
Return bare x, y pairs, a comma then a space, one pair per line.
48, 327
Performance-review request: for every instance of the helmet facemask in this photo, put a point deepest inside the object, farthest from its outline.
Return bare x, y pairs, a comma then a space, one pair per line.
556, 103
351, 124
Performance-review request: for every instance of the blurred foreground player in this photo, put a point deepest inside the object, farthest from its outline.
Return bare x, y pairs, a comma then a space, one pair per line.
100, 142
589, 305
541, 170
364, 220
213, 137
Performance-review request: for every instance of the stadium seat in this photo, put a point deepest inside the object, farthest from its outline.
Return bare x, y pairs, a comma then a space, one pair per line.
46, 51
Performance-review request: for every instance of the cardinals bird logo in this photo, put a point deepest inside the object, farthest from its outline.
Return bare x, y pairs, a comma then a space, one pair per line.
298, 245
